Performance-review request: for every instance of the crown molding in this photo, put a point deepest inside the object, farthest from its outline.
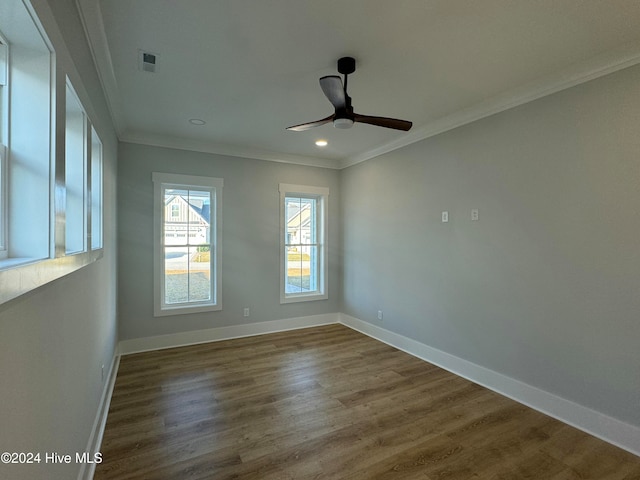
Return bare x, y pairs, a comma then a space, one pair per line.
608, 62
611, 61
228, 150
92, 22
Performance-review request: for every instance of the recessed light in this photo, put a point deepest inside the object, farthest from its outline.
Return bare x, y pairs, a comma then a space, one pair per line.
322, 143
197, 121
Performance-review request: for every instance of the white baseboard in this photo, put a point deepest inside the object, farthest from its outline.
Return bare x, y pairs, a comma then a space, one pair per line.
95, 438
599, 425
611, 430
181, 339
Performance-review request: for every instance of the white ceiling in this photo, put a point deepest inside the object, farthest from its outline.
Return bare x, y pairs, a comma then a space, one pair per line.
250, 68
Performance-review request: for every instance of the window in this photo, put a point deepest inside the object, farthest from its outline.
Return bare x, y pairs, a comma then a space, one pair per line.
50, 187
75, 174
4, 78
187, 220
27, 124
4, 115
303, 243
83, 179
96, 191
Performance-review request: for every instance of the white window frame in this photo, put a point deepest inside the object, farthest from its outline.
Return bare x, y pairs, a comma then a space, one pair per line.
95, 216
161, 182
29, 122
4, 134
80, 229
4, 252
321, 195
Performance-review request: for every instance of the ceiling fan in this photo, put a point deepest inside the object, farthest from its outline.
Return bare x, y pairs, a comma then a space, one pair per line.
344, 116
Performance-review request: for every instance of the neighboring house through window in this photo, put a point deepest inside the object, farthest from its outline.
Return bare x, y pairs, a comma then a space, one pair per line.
303, 243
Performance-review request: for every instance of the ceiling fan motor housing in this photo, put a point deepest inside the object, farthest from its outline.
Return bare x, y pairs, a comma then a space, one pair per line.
344, 118
342, 122
346, 65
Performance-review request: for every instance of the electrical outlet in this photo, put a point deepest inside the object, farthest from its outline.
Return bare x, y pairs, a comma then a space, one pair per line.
246, 311
380, 315
475, 215
445, 217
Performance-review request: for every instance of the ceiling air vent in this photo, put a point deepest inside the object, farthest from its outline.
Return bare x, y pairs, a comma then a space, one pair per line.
147, 61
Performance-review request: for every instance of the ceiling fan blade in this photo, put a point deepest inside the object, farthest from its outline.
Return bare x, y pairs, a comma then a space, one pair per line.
306, 126
394, 123
332, 87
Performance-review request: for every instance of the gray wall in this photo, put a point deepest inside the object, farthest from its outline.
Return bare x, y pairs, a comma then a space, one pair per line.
250, 238
545, 287
54, 340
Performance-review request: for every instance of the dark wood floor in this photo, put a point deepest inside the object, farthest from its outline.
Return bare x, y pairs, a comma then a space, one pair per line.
330, 403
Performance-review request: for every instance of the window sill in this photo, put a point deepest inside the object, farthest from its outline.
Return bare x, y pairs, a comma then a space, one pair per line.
22, 275
303, 298
182, 310
7, 263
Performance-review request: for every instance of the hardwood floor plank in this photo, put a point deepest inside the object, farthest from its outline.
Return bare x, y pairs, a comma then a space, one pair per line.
329, 403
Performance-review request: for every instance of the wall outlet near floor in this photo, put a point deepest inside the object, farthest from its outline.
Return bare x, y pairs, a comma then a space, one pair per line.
380, 315
445, 217
246, 312
475, 215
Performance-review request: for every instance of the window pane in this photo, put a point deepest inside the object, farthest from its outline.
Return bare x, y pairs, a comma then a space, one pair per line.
200, 217
96, 191
292, 210
176, 268
75, 174
307, 221
187, 216
187, 274
313, 268
4, 110
175, 214
199, 274
301, 220
301, 269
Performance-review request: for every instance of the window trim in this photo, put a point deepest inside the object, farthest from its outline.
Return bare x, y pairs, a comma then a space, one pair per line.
321, 194
84, 226
160, 182
95, 189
